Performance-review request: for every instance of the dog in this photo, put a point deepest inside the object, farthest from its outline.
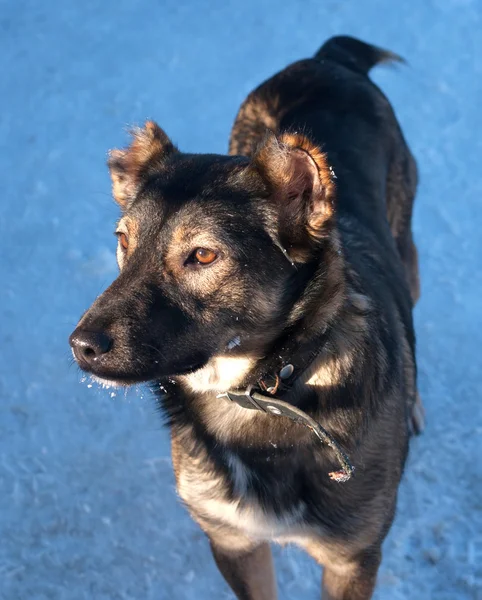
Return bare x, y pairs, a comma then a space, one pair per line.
266, 296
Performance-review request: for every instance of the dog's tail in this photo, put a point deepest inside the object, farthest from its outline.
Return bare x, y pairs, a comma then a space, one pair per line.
355, 54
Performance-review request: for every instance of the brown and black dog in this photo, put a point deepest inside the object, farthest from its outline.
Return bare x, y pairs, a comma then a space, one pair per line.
285, 271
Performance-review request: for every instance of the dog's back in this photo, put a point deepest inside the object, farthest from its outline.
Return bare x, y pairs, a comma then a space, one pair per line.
331, 99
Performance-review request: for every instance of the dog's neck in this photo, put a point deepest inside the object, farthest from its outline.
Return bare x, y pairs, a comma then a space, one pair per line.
339, 361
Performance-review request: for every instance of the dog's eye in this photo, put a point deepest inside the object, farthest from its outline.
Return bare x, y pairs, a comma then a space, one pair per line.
202, 256
123, 240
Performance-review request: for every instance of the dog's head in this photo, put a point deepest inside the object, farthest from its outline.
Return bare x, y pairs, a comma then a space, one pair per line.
210, 250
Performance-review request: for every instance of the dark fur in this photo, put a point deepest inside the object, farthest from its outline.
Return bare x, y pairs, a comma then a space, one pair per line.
349, 281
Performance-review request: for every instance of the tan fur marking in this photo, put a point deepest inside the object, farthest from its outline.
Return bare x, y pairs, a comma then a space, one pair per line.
335, 365
330, 372
254, 118
127, 167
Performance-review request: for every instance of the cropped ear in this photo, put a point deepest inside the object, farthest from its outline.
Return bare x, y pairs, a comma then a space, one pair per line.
301, 187
149, 147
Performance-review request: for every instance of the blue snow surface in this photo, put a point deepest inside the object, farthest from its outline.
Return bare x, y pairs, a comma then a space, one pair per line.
88, 508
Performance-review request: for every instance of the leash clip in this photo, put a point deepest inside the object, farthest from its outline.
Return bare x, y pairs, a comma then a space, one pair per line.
242, 398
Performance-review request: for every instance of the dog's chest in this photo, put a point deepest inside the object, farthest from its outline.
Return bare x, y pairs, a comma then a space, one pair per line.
208, 498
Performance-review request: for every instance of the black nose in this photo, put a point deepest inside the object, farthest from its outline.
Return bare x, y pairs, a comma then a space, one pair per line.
89, 345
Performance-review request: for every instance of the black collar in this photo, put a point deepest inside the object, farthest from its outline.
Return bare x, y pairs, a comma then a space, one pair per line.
274, 376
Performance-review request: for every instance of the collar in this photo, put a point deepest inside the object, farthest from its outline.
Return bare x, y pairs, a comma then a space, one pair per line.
287, 360
275, 375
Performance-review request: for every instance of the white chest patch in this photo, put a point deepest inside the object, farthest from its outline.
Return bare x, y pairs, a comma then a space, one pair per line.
253, 522
220, 374
207, 498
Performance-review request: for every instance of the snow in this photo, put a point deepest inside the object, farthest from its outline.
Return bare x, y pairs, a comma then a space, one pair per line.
236, 341
87, 501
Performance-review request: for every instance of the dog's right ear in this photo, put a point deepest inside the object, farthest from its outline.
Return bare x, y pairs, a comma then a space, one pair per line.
128, 168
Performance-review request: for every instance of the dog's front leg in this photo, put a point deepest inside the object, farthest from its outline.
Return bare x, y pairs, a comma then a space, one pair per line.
355, 581
347, 579
249, 572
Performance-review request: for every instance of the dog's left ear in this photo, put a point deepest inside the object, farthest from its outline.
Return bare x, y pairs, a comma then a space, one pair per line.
300, 185
130, 167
